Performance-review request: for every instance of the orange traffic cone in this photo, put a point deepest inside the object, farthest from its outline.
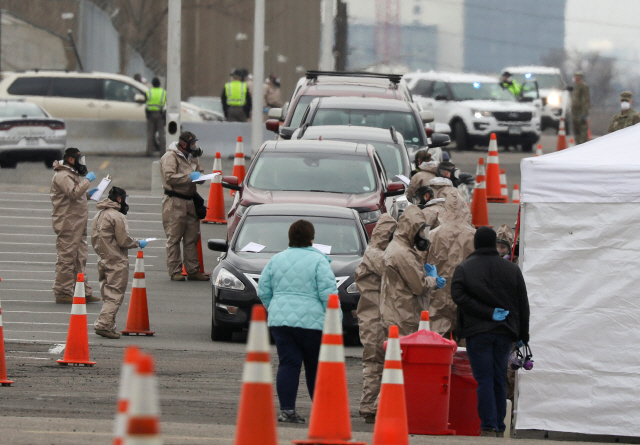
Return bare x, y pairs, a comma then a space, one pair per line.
562, 136
3, 364
200, 258
539, 151
424, 321
239, 170
256, 421
143, 425
330, 421
494, 194
138, 315
503, 185
76, 351
391, 426
131, 355
479, 208
215, 203
515, 195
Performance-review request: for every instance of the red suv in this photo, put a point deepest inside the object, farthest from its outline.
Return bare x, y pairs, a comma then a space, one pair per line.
342, 174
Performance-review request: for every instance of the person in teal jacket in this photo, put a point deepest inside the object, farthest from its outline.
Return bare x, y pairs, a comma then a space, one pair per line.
294, 288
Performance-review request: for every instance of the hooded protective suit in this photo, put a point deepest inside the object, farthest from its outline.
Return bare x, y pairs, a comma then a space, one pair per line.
432, 211
179, 215
426, 172
69, 219
368, 278
451, 243
111, 241
443, 187
404, 281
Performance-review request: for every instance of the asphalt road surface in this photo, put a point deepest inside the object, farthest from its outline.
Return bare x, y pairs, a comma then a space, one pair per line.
199, 380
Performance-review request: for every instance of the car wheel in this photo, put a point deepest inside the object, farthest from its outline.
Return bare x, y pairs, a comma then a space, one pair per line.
218, 333
527, 148
8, 164
460, 136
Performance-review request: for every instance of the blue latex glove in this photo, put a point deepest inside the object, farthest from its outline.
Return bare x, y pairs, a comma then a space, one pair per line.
91, 176
519, 344
143, 243
441, 282
93, 190
430, 270
195, 175
500, 314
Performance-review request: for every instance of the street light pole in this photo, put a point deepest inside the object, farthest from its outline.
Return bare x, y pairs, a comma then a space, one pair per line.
173, 72
327, 61
258, 76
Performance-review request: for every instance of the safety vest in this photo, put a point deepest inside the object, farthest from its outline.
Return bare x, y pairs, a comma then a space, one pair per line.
236, 92
156, 99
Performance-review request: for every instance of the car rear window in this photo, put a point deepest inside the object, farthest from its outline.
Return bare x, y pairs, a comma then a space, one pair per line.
30, 86
20, 110
77, 87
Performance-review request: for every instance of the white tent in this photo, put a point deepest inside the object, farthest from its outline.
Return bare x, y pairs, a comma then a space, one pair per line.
580, 256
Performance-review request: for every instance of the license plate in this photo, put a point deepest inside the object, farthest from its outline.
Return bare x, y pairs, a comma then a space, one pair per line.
515, 130
32, 141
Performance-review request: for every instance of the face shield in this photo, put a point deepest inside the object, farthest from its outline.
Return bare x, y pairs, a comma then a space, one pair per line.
192, 147
421, 240
79, 163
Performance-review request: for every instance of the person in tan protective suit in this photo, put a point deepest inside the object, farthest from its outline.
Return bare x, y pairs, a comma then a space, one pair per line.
368, 278
427, 170
424, 199
69, 194
179, 167
404, 281
111, 241
504, 242
451, 243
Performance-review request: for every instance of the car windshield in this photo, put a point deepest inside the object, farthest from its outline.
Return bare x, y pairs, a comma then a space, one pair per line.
404, 122
272, 232
480, 91
393, 160
301, 107
551, 81
207, 103
313, 171
20, 109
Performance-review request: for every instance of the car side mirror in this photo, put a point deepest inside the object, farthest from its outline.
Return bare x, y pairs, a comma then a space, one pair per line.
394, 189
275, 113
139, 98
439, 140
272, 125
287, 132
446, 156
426, 116
219, 245
231, 183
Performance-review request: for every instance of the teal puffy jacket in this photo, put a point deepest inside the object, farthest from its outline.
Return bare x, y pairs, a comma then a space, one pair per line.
295, 288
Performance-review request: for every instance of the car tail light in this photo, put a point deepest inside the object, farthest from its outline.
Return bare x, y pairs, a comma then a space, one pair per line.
56, 125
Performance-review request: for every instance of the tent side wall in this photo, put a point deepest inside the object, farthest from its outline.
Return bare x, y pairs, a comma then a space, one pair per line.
580, 262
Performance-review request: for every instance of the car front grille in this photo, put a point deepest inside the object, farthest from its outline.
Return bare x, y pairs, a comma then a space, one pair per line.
512, 116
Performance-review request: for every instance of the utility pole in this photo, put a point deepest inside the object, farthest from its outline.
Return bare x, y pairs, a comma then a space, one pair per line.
327, 62
173, 71
341, 47
258, 77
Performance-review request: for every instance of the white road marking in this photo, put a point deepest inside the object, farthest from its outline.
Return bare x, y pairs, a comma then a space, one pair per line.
27, 279
35, 312
132, 255
48, 194
49, 227
48, 217
28, 271
33, 322
27, 290
23, 340
57, 349
30, 358
90, 211
36, 332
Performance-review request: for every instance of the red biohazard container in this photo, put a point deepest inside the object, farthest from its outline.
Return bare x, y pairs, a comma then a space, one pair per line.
463, 404
426, 365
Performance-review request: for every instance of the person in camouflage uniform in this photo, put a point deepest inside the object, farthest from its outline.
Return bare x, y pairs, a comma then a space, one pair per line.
580, 104
627, 116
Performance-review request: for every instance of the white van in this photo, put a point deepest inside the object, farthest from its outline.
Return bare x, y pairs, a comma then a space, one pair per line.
474, 106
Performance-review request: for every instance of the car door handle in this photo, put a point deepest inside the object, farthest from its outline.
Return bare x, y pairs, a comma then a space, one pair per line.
91, 105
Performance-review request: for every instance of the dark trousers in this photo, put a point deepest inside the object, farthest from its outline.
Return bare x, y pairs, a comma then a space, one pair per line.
295, 346
488, 355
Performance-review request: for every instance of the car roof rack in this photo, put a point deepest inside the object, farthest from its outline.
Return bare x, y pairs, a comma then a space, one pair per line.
394, 78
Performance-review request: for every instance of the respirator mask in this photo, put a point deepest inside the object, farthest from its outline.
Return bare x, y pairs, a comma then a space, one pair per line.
521, 357
625, 105
192, 147
421, 240
80, 165
117, 192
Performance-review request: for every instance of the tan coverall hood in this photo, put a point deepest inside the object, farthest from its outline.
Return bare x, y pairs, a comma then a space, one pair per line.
432, 211
426, 172
505, 233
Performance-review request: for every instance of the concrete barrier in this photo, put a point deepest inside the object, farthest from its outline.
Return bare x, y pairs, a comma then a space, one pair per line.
119, 137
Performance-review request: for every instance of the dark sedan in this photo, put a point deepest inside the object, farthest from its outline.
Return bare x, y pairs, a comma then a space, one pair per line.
263, 232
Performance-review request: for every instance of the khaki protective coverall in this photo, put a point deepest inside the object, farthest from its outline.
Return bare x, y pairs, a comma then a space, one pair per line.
368, 278
432, 211
69, 219
426, 172
404, 281
111, 241
443, 187
179, 215
451, 243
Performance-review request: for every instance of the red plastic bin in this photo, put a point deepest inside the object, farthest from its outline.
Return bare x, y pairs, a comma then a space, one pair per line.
463, 402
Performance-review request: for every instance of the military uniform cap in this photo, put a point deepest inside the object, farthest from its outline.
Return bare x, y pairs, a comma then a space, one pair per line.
578, 74
626, 95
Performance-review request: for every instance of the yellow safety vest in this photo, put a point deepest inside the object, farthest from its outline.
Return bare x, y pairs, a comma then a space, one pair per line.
236, 92
156, 99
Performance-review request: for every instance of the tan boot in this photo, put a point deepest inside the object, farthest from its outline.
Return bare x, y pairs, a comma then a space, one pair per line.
64, 299
488, 433
107, 334
91, 299
178, 277
198, 276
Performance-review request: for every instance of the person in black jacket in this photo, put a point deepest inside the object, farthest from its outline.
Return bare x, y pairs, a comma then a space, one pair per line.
493, 312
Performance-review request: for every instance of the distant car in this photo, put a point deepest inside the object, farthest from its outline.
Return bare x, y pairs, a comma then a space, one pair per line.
29, 134
343, 174
210, 104
388, 144
556, 98
235, 279
474, 106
